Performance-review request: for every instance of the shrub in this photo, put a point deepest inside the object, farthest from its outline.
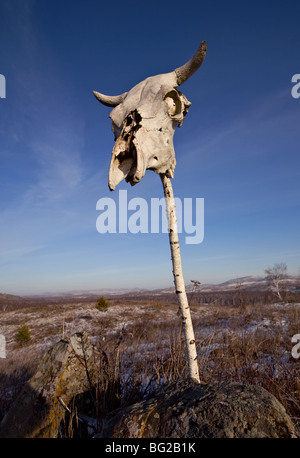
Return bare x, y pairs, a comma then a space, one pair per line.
102, 304
157, 306
23, 334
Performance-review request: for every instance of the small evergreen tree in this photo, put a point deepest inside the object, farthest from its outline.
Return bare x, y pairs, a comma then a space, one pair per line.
23, 334
102, 304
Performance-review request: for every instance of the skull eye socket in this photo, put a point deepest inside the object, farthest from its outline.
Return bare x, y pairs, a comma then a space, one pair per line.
174, 103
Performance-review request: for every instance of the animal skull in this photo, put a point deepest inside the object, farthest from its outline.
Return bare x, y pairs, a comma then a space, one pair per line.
144, 121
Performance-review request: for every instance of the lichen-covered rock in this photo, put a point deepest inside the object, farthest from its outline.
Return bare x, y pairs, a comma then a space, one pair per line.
65, 371
188, 410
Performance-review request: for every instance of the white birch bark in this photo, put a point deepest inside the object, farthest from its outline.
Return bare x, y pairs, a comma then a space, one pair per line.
184, 308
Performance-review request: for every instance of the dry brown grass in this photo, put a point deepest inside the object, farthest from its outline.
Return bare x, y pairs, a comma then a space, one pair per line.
140, 346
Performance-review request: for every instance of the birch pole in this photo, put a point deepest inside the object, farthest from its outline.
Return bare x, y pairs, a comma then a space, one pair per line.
184, 308
144, 120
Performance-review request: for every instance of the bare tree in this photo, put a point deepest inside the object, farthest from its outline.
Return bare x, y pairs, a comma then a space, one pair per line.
275, 277
240, 295
196, 289
4, 306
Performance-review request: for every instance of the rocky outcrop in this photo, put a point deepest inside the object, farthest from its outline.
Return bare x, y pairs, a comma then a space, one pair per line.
188, 410
64, 372
182, 409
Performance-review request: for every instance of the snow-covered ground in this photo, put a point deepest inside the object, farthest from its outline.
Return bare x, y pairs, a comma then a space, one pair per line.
251, 344
50, 323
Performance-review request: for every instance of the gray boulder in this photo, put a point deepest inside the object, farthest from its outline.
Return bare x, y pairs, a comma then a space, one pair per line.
182, 409
188, 410
64, 372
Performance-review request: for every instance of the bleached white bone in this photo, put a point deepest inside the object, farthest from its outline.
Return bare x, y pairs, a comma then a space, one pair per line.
144, 121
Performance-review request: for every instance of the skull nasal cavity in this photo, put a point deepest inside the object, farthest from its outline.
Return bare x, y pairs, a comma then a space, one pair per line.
137, 116
133, 117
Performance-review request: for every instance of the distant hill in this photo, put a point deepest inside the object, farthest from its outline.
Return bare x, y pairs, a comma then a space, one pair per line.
11, 302
247, 283
8, 300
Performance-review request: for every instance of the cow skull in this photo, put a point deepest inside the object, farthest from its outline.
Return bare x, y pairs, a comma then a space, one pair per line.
144, 121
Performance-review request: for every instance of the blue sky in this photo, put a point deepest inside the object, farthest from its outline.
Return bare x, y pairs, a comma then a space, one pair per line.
238, 147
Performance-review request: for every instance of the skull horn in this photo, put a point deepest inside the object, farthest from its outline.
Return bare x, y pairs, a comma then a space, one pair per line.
186, 70
110, 100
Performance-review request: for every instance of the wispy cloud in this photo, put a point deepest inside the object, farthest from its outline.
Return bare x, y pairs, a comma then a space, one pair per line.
59, 167
46, 129
18, 14
263, 117
46, 122
8, 256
